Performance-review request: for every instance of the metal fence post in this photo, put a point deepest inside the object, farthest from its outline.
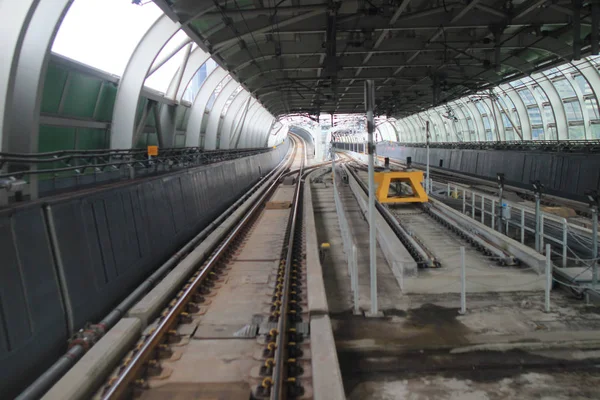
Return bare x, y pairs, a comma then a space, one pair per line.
355, 274
464, 201
522, 225
564, 242
594, 246
494, 215
472, 204
538, 248
548, 279
463, 282
482, 209
541, 231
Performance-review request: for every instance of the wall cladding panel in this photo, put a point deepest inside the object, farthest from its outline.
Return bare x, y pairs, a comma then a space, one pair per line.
33, 327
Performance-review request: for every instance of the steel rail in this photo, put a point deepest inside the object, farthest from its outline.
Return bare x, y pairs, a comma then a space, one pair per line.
118, 387
279, 373
503, 256
422, 255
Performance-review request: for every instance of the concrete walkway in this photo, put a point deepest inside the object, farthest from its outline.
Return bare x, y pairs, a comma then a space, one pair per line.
335, 267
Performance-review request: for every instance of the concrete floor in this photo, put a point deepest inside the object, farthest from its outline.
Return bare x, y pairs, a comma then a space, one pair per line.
505, 347
214, 360
335, 266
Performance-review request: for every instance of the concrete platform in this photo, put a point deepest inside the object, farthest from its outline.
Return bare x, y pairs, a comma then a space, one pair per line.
335, 267
327, 378
428, 351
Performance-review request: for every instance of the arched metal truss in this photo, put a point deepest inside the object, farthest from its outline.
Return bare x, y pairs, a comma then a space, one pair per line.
559, 103
28, 30
311, 57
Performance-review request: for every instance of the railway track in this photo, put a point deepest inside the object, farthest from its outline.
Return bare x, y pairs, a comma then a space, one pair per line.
200, 346
418, 227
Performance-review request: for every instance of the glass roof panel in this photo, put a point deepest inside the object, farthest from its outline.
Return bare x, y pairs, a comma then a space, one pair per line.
583, 84
573, 111
162, 77
83, 35
527, 96
565, 90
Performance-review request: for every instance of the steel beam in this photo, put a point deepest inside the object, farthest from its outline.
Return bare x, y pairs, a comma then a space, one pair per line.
194, 125
133, 79
239, 122
166, 57
55, 120
226, 44
243, 138
236, 109
210, 135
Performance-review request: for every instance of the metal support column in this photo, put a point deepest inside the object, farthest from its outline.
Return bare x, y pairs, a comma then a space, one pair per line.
369, 108
595, 246
537, 223
500, 200
537, 190
463, 282
427, 181
548, 287
594, 201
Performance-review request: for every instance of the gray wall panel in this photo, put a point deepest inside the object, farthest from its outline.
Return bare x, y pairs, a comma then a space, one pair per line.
32, 321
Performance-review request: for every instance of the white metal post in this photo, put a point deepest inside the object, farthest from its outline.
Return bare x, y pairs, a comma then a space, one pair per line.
369, 108
333, 161
428, 186
483, 210
548, 278
538, 247
355, 273
522, 225
464, 201
494, 214
542, 221
564, 240
473, 205
463, 282
594, 246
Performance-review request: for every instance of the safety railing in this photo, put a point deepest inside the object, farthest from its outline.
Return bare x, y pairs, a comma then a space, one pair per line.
20, 165
29, 176
566, 146
563, 235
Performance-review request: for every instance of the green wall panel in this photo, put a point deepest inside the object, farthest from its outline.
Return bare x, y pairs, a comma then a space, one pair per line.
81, 96
90, 139
56, 77
55, 138
107, 102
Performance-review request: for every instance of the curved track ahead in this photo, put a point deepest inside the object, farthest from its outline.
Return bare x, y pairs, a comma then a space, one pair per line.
221, 334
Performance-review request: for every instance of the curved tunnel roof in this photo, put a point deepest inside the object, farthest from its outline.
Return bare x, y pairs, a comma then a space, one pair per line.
310, 56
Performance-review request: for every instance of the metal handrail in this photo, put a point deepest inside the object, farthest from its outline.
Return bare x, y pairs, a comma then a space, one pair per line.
79, 162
